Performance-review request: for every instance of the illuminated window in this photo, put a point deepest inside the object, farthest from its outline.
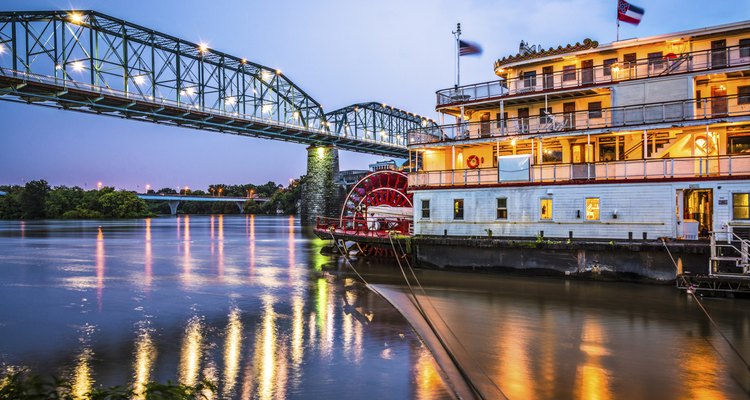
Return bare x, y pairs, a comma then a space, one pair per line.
425, 209
458, 209
545, 209
592, 209
741, 206
608, 66
502, 208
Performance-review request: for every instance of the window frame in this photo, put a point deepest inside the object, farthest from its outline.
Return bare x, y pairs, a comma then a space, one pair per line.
595, 112
598, 209
569, 73
743, 98
734, 207
607, 66
542, 212
498, 209
744, 45
423, 209
458, 216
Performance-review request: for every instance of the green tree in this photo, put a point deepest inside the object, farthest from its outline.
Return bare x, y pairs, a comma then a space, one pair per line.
122, 204
33, 199
63, 199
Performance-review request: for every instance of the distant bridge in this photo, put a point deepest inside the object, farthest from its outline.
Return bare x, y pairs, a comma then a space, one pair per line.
174, 200
90, 62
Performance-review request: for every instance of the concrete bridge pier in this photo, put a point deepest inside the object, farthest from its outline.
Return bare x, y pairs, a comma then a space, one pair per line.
241, 206
320, 193
173, 204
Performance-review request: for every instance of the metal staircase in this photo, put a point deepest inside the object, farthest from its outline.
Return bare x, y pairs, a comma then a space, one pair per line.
729, 255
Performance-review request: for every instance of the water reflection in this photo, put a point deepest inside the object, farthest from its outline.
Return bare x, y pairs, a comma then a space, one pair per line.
99, 267
82, 380
192, 349
232, 349
250, 232
265, 351
187, 262
148, 256
145, 355
592, 380
220, 244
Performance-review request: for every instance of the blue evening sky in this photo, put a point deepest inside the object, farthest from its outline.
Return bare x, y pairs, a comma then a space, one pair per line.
340, 52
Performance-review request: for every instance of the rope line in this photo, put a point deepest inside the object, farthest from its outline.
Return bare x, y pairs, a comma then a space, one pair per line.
452, 333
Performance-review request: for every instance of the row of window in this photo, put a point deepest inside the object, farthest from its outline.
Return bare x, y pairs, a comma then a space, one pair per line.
740, 208
655, 59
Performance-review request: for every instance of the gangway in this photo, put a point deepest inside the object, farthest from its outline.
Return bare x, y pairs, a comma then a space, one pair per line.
729, 255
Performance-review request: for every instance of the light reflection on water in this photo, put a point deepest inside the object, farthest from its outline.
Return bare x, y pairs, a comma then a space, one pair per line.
242, 301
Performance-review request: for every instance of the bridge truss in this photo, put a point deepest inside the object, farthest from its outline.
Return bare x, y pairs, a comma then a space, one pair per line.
90, 62
375, 121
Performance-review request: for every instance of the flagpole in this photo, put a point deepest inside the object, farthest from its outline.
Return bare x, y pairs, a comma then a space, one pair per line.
457, 34
617, 18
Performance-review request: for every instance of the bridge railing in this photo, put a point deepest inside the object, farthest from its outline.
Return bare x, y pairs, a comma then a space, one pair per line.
361, 226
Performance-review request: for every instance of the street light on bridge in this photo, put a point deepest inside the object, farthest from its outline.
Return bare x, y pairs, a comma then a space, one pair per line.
99, 185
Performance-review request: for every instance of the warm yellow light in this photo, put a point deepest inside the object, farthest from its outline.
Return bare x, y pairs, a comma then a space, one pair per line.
203, 48
189, 91
384, 105
244, 61
76, 18
148, 187
267, 108
230, 101
266, 75
139, 79
98, 185
58, 67
513, 142
278, 72
77, 66
2, 48
295, 115
321, 152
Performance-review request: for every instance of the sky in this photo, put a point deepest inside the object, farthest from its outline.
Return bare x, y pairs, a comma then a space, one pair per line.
340, 52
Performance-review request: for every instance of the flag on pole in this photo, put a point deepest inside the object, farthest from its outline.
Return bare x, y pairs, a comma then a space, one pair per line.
468, 48
629, 13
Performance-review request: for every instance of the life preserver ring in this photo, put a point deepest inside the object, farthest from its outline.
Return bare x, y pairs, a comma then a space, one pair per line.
472, 161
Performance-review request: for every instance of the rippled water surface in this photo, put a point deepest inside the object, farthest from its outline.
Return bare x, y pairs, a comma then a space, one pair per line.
249, 302
243, 301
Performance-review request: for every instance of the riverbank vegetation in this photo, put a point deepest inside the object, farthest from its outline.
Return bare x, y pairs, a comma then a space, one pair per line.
37, 200
20, 384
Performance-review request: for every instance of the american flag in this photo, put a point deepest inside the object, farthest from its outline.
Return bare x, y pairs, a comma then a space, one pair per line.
468, 48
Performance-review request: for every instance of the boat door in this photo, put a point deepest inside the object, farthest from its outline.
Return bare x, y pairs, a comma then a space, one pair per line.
680, 212
587, 72
698, 206
718, 100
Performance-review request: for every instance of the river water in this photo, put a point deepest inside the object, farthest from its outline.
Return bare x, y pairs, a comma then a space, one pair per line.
248, 302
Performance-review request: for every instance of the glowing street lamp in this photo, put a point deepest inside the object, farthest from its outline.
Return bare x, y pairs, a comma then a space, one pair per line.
99, 185
139, 79
76, 18
148, 187
77, 66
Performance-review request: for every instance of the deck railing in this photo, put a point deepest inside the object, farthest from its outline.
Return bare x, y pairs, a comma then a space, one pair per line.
688, 167
360, 226
703, 60
604, 118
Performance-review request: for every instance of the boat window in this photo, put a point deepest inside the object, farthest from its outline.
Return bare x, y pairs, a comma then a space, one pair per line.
502, 208
545, 208
743, 95
569, 72
458, 209
745, 48
595, 109
425, 209
612, 148
739, 144
552, 153
741, 206
608, 66
592, 209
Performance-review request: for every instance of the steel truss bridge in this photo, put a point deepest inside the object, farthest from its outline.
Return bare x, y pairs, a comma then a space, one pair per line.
90, 62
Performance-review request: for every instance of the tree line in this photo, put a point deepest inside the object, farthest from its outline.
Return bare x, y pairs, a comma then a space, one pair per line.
38, 200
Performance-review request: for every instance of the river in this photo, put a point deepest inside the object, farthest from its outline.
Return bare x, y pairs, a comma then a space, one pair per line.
248, 302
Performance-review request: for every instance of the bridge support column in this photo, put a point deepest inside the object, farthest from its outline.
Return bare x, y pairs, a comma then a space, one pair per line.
173, 204
320, 197
241, 206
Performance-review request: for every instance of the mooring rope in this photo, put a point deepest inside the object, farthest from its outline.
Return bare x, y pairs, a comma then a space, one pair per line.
346, 257
453, 334
691, 291
432, 327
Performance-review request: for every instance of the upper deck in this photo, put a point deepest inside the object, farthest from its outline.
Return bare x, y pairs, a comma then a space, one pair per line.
577, 70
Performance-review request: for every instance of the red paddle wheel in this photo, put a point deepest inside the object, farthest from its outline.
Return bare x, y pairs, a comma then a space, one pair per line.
382, 191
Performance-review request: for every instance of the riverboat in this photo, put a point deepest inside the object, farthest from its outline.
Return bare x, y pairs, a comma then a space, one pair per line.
643, 139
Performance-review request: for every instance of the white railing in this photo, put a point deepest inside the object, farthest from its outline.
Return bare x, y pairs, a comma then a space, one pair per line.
690, 167
605, 118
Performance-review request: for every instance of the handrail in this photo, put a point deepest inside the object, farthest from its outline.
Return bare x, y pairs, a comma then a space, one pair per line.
378, 226
71, 83
699, 60
624, 170
614, 117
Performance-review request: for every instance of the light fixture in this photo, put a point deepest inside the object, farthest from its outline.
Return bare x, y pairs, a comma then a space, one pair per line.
139, 79
2, 48
77, 66
203, 48
76, 18
230, 101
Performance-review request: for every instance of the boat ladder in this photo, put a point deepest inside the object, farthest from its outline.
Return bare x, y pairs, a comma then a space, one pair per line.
732, 250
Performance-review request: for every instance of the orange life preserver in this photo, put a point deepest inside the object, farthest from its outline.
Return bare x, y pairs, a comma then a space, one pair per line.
472, 161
